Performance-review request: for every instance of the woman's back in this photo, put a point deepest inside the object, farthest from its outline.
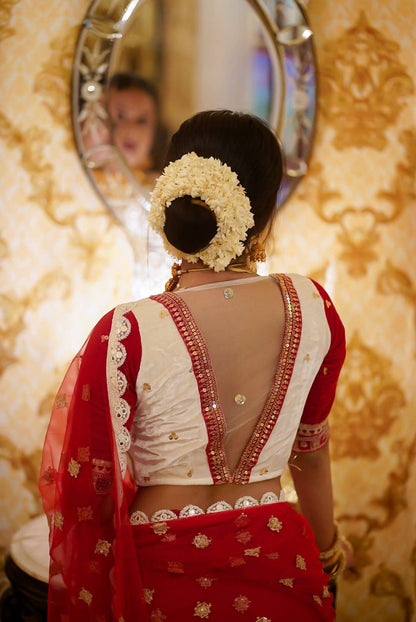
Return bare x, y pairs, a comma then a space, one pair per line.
242, 323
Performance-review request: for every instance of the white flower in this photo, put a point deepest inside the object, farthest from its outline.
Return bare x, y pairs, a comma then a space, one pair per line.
218, 186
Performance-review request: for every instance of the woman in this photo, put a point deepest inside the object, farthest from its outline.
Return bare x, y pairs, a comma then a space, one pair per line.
162, 464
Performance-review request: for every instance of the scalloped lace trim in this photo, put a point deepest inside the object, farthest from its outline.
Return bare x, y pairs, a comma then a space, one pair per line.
119, 407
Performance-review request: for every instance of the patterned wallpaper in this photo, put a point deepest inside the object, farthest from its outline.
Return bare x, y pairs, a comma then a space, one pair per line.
351, 224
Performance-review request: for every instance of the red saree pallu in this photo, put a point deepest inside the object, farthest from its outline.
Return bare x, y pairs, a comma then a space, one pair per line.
257, 564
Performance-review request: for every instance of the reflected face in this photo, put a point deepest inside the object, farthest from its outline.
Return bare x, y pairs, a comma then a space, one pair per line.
134, 117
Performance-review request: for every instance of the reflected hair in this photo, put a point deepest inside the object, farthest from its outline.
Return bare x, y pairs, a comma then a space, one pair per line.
248, 146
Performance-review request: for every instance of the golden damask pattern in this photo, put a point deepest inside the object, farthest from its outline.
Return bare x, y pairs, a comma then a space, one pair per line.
45, 193
368, 398
387, 583
12, 312
6, 8
363, 86
358, 235
396, 282
53, 82
28, 464
392, 500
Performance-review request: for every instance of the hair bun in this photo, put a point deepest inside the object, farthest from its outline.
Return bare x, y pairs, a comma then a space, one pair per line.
190, 224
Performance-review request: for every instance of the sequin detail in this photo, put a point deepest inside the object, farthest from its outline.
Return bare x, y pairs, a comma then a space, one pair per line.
281, 380
202, 610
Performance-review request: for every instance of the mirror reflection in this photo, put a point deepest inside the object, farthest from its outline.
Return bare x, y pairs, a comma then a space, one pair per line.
173, 60
143, 66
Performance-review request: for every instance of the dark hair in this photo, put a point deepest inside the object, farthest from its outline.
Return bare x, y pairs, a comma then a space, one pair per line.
250, 149
125, 80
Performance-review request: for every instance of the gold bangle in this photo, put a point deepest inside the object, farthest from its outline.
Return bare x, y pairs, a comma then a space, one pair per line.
334, 548
337, 566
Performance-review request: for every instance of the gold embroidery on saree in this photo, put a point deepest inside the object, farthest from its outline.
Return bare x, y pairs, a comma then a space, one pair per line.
61, 401
102, 547
202, 610
255, 552
274, 524
86, 393
241, 603
148, 595
73, 468
85, 513
300, 562
201, 541
85, 595
83, 454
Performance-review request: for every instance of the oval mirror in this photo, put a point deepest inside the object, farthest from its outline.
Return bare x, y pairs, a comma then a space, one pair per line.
143, 66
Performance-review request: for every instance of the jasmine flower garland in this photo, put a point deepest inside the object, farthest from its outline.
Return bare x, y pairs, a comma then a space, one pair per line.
218, 186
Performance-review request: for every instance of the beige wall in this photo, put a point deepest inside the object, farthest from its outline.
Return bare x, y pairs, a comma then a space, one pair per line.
351, 223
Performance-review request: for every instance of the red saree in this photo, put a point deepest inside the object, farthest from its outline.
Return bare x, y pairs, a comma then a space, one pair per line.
244, 565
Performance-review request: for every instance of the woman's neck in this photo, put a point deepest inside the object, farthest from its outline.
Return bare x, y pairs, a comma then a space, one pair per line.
193, 274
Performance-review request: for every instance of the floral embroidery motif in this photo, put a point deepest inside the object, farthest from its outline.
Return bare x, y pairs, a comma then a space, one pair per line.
243, 537
73, 467
300, 562
148, 595
317, 599
205, 582
61, 401
83, 454
328, 304
102, 547
173, 436
49, 475
241, 604
86, 393
274, 555
58, 520
307, 357
202, 610
94, 567
169, 537
253, 552
201, 541
236, 561
274, 524
287, 582
85, 595
146, 386
190, 473
263, 619
160, 528
157, 616
85, 513
120, 410
241, 520
326, 592
104, 338
175, 567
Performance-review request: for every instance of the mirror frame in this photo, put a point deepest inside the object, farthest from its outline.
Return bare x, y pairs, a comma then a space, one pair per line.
288, 29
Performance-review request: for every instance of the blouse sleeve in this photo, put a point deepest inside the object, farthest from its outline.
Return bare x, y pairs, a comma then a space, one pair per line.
313, 431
